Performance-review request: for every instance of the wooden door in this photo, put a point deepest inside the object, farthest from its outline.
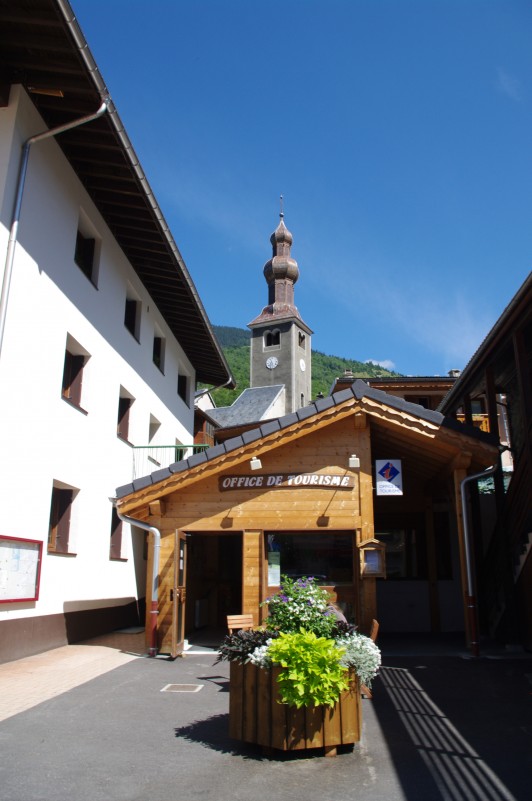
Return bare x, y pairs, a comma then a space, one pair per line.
178, 594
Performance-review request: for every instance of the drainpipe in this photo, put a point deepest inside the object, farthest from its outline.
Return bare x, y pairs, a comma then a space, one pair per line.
18, 203
154, 608
471, 600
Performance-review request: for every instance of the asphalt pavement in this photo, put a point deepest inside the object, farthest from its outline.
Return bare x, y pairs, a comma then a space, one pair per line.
440, 726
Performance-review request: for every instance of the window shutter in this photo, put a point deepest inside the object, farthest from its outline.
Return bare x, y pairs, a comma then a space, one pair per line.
115, 550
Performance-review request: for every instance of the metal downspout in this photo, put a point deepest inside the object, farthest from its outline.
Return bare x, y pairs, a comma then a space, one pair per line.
13, 234
154, 606
470, 599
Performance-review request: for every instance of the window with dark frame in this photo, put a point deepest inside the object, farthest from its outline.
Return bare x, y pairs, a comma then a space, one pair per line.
131, 315
115, 548
124, 407
60, 511
182, 387
84, 254
158, 352
72, 377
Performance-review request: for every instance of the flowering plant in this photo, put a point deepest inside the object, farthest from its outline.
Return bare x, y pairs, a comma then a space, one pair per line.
301, 604
303, 635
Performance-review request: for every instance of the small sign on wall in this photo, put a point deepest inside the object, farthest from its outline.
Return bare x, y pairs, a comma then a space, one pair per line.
389, 476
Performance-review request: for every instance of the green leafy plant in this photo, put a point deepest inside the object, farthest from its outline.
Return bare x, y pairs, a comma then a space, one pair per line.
312, 672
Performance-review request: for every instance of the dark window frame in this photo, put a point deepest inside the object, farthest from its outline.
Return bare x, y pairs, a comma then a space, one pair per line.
183, 388
158, 352
115, 541
84, 255
72, 383
122, 425
132, 316
60, 516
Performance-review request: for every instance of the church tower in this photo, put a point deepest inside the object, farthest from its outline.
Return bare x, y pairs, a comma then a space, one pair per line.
280, 340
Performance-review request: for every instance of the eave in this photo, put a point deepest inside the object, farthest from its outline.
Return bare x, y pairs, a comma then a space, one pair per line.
43, 49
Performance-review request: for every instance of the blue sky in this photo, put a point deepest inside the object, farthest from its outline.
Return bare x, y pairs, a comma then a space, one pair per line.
398, 132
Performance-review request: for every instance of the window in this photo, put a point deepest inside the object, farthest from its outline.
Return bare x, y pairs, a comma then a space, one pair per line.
406, 553
72, 378
301, 340
154, 427
125, 401
87, 248
132, 317
159, 344
75, 360
327, 557
60, 512
115, 548
182, 387
272, 339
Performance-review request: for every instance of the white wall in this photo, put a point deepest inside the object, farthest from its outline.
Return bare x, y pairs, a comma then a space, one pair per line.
42, 437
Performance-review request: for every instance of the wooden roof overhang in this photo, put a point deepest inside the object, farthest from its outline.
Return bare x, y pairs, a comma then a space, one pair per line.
43, 48
430, 445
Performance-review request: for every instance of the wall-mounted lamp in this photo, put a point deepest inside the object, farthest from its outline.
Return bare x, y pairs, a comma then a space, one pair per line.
354, 462
255, 463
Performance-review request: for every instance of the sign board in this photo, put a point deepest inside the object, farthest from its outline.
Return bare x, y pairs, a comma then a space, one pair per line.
20, 566
389, 476
286, 481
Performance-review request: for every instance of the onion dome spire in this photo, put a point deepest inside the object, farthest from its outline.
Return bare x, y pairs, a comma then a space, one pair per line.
281, 271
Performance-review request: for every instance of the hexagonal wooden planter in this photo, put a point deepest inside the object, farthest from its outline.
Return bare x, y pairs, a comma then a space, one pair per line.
256, 716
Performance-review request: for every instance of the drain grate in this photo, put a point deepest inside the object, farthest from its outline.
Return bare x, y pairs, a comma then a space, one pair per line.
182, 688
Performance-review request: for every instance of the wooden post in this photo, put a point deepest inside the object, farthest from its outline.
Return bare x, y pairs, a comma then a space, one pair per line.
251, 573
367, 587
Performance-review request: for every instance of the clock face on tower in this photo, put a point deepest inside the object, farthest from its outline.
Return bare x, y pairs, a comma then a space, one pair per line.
272, 362
302, 364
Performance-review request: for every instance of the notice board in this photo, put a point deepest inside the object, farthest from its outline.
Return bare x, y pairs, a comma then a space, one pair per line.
20, 569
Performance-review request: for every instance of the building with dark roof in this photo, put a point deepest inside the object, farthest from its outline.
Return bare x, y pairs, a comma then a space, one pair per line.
497, 384
102, 337
313, 493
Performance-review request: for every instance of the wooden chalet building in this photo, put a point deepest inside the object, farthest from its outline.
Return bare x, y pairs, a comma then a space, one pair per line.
297, 496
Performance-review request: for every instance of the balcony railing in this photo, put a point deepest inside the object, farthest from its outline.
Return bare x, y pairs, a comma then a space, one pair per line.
149, 458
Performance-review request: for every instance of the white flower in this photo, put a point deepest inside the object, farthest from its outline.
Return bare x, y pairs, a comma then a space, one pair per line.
361, 654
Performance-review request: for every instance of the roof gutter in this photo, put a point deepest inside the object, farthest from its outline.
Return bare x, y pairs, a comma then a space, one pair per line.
13, 234
87, 57
154, 606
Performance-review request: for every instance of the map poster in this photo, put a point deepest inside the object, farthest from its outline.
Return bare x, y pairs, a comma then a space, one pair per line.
20, 567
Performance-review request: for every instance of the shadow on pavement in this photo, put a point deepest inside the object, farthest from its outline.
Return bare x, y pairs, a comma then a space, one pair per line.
463, 726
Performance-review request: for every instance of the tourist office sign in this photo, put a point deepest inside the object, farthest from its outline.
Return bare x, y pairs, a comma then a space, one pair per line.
286, 481
389, 475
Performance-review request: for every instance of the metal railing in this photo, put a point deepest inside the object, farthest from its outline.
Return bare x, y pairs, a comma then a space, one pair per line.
149, 458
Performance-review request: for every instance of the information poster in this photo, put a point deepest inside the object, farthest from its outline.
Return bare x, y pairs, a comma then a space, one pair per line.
20, 562
389, 475
274, 568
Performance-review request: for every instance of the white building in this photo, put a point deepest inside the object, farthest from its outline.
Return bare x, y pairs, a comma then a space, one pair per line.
103, 340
